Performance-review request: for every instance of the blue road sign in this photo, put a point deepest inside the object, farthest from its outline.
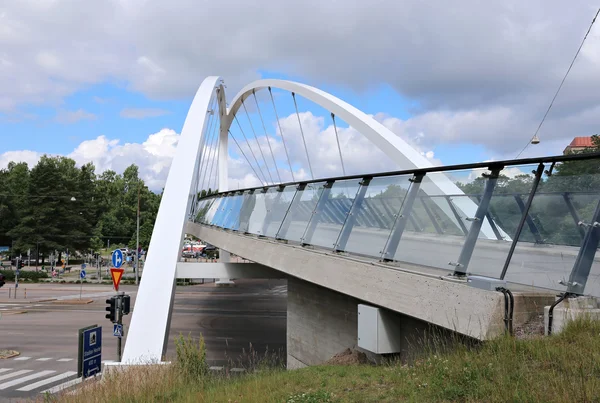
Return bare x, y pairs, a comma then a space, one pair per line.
83, 266
92, 351
82, 274
117, 258
118, 330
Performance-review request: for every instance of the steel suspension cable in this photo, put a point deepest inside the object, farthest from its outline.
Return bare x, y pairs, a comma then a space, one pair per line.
257, 142
303, 139
252, 152
242, 151
205, 146
337, 139
214, 162
282, 139
209, 147
266, 135
212, 150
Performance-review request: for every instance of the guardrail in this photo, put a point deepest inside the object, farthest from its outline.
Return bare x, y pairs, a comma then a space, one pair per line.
534, 221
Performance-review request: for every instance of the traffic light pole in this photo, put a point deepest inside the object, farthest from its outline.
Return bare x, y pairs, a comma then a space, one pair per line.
118, 306
119, 321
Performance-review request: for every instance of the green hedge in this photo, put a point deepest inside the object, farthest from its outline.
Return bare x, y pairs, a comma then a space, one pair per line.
9, 275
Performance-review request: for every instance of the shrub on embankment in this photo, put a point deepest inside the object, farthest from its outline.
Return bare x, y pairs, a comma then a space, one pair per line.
561, 368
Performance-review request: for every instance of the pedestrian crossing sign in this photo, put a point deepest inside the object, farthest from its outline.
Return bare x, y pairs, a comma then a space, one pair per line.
118, 330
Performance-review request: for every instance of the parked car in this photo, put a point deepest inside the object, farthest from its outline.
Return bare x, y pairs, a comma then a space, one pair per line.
2, 280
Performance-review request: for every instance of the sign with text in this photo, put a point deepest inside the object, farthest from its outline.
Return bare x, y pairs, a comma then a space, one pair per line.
90, 351
116, 275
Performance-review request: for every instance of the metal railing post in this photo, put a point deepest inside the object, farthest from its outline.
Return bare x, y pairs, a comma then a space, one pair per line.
524, 216
488, 215
285, 223
316, 214
462, 225
585, 257
573, 212
436, 225
532, 227
402, 219
340, 244
480, 215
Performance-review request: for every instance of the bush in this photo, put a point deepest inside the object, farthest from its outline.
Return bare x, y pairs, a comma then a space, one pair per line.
191, 358
9, 275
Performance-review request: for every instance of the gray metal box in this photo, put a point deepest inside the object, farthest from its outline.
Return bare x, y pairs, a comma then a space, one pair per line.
485, 283
378, 332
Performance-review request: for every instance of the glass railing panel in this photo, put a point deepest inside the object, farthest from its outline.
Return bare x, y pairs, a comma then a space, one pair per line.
376, 214
202, 209
215, 212
449, 211
300, 212
232, 215
502, 219
276, 204
236, 207
330, 213
547, 260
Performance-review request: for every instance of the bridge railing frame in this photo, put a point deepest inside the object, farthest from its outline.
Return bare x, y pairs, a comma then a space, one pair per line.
589, 232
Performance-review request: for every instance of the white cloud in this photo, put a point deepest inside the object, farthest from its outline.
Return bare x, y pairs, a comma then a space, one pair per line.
30, 157
69, 117
153, 156
487, 83
142, 113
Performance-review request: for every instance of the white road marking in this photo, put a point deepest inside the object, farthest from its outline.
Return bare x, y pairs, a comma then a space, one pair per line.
44, 359
21, 372
63, 386
22, 358
38, 384
25, 379
64, 359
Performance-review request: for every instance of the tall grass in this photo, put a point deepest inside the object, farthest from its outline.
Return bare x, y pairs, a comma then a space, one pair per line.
561, 368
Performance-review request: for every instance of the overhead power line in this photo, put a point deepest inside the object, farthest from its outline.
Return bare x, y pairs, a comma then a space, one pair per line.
561, 84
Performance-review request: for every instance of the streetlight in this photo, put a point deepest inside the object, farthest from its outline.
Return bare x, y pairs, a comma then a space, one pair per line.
73, 198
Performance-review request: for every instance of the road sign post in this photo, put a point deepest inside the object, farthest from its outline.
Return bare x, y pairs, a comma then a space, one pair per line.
81, 277
90, 351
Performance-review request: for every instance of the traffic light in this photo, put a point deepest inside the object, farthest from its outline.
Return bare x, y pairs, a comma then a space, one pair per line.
126, 304
21, 264
112, 309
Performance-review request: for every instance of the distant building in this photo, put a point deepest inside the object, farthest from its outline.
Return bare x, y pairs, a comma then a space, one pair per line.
579, 144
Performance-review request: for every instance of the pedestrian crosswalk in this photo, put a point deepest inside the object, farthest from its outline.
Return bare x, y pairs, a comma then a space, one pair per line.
17, 307
24, 375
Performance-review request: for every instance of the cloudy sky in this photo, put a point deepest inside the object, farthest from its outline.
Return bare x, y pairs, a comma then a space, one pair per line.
110, 81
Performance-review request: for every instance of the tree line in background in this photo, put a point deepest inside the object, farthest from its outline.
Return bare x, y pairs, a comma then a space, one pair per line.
56, 205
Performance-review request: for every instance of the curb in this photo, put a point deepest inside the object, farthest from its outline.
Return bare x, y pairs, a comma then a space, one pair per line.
73, 302
13, 313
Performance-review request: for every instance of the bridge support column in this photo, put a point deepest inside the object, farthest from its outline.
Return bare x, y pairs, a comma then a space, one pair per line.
322, 322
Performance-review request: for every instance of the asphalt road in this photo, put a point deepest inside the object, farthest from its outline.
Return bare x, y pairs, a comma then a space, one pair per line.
239, 325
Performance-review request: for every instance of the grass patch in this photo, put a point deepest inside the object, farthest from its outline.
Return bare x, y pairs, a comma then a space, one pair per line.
564, 367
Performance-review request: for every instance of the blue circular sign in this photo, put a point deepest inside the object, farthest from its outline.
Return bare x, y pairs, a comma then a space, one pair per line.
82, 274
117, 258
83, 266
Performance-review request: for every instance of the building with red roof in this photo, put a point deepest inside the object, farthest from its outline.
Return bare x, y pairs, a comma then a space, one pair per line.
579, 144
